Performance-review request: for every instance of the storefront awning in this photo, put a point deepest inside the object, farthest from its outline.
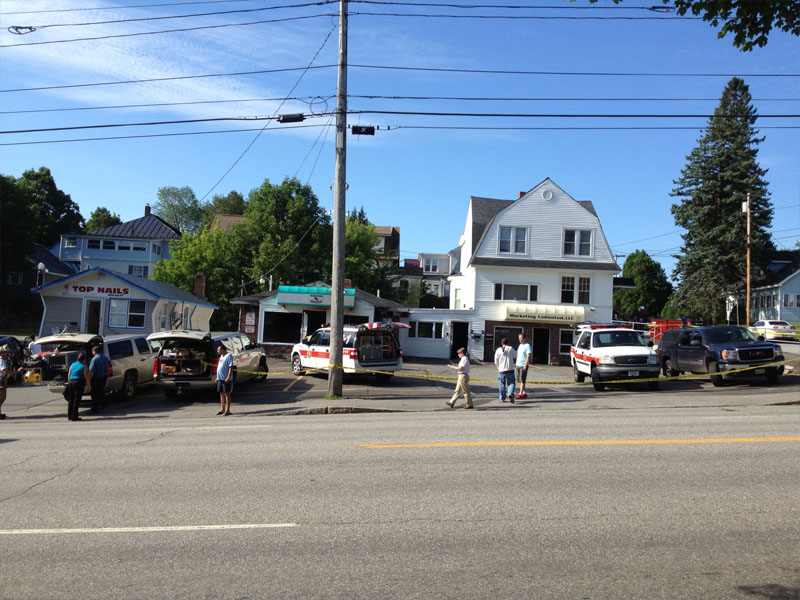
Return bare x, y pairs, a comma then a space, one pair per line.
555, 313
290, 295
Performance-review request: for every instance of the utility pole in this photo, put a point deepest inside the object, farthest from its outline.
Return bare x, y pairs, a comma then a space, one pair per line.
339, 214
747, 286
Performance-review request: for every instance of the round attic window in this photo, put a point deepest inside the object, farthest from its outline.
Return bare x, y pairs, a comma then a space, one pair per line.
547, 195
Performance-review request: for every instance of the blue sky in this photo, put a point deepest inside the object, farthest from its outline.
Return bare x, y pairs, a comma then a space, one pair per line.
418, 171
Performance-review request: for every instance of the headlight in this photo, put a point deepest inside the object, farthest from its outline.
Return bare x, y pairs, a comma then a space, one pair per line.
730, 355
606, 360
652, 360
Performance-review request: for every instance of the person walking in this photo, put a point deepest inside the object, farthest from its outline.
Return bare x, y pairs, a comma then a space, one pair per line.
504, 358
6, 371
98, 368
521, 367
224, 379
462, 385
79, 379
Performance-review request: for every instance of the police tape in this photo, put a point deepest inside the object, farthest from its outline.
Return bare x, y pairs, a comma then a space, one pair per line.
407, 374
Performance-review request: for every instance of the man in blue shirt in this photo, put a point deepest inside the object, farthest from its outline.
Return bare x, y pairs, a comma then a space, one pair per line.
98, 368
224, 379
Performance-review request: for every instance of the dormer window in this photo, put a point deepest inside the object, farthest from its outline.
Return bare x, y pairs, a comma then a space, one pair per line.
70, 242
430, 265
513, 240
577, 242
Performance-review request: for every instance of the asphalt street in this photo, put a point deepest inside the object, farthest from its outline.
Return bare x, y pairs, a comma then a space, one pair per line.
688, 492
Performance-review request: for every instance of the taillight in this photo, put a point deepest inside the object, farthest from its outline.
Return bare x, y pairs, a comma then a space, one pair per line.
351, 353
155, 367
401, 354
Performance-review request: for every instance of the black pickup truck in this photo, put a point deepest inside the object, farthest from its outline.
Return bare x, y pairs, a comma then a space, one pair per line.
719, 350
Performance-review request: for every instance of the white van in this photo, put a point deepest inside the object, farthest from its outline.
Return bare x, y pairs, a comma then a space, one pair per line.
129, 356
367, 348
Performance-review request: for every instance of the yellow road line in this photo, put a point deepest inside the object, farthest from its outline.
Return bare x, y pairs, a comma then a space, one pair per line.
585, 442
291, 383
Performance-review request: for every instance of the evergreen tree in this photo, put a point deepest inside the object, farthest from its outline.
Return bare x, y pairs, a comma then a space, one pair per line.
721, 171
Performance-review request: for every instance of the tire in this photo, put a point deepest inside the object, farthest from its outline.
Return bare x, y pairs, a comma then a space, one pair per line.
668, 370
262, 368
128, 390
383, 377
599, 386
297, 365
772, 376
577, 375
713, 367
652, 386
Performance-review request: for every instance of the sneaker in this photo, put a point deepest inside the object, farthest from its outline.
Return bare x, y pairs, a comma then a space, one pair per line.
511, 399
227, 413
222, 412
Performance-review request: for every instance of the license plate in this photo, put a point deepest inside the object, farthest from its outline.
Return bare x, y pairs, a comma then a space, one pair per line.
759, 371
633, 373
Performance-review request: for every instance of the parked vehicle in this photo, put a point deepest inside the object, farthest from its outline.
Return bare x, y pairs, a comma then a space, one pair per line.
16, 354
129, 359
717, 350
186, 362
612, 354
774, 330
370, 346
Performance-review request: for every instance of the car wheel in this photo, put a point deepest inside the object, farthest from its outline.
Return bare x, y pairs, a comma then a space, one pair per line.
578, 376
128, 390
668, 370
652, 386
297, 365
772, 376
597, 382
263, 370
713, 367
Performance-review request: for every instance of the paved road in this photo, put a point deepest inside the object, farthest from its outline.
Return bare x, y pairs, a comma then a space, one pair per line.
519, 502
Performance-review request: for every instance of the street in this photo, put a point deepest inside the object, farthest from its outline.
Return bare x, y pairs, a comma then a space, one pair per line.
616, 495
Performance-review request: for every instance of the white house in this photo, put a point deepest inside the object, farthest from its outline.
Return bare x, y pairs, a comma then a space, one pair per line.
776, 295
537, 264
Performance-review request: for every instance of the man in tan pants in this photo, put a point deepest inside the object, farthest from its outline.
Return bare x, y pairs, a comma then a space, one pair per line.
462, 386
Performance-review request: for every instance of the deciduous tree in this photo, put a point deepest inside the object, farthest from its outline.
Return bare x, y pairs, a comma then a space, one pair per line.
101, 218
180, 208
652, 286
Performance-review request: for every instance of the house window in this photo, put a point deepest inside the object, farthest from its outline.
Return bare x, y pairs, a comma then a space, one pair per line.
457, 298
163, 318
787, 300
433, 288
565, 339
109, 245
412, 332
578, 242
797, 300
567, 290
93, 244
517, 292
139, 247
124, 247
138, 270
513, 238
431, 265
70, 242
426, 330
126, 314
14, 278
157, 249
583, 290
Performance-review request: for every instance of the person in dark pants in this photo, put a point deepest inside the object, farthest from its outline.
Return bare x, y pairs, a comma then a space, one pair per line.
78, 378
98, 367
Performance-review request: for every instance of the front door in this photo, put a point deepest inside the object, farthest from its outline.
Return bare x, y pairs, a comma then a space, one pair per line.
93, 316
541, 346
459, 337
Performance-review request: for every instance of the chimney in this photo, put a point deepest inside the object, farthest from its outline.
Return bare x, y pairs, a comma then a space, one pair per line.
520, 195
146, 210
200, 284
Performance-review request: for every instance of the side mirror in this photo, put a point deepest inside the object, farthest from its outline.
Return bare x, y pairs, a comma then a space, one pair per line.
650, 343
696, 342
761, 338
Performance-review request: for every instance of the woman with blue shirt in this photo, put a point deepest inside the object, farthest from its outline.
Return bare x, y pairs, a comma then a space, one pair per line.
79, 379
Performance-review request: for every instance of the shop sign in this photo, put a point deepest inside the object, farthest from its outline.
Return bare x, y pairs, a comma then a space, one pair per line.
101, 290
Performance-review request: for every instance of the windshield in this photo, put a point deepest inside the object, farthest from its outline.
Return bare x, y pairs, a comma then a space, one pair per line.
618, 338
731, 334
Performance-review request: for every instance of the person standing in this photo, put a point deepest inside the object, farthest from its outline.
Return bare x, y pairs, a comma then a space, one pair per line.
34, 347
6, 371
98, 367
504, 358
224, 379
462, 385
79, 379
521, 368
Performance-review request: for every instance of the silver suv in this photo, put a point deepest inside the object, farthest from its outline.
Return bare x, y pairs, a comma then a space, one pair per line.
186, 360
130, 359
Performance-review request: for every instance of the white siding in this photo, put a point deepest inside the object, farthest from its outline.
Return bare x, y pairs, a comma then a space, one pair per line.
59, 312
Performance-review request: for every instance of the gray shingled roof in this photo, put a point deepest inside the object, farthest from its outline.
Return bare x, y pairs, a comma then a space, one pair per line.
149, 227
51, 262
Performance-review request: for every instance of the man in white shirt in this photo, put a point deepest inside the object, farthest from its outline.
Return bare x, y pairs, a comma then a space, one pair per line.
34, 347
462, 386
521, 368
504, 358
